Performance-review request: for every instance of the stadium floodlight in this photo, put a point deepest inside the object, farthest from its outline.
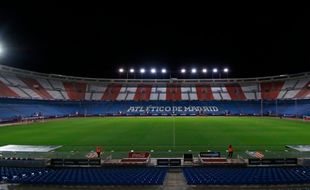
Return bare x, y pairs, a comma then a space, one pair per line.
183, 70
215, 70
225, 70
204, 70
121, 70
194, 70
142, 70
153, 70
1, 49
163, 71
131, 70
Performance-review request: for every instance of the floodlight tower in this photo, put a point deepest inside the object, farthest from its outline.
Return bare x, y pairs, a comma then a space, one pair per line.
153, 71
163, 72
1, 49
122, 70
142, 71
226, 71
214, 71
132, 72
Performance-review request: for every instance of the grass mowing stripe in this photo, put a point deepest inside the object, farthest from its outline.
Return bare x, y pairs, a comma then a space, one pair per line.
193, 133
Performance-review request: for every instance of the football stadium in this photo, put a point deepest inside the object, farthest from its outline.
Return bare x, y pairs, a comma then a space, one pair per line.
50, 122
156, 101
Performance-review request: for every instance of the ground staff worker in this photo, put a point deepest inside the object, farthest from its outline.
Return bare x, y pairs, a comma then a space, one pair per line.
230, 151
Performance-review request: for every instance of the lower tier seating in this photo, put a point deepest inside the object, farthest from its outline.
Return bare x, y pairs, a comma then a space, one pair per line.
17, 109
246, 176
84, 176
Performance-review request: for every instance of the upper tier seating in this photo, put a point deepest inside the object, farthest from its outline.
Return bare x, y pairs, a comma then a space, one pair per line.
204, 92
112, 92
37, 87
41, 86
5, 91
143, 92
271, 90
235, 92
173, 92
75, 91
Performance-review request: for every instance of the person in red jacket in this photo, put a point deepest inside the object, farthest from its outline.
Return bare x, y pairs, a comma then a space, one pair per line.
230, 151
98, 151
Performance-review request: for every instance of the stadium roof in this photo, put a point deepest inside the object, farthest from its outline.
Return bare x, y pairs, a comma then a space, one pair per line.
124, 80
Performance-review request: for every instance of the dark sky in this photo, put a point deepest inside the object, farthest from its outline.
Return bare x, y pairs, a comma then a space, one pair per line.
94, 41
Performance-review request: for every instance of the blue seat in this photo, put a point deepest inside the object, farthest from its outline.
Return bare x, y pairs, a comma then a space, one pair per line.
246, 176
86, 176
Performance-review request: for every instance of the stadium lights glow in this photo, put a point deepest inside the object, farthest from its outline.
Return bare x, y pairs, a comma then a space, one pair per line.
194, 71
142, 71
1, 49
121, 70
154, 70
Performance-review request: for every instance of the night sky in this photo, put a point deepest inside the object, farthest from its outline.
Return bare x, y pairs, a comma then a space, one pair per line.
94, 41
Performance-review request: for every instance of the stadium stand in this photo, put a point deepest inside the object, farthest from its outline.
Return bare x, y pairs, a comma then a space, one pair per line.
112, 92
24, 93
9, 173
162, 91
95, 92
84, 176
271, 90
154, 93
5, 91
304, 92
193, 94
14, 109
251, 91
58, 86
204, 92
235, 92
31, 85
143, 93
156, 176
246, 176
75, 91
36, 87
173, 92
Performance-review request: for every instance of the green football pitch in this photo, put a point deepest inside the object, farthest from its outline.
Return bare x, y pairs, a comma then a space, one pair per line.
161, 134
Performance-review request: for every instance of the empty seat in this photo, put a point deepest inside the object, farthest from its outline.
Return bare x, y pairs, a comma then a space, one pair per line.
85, 176
246, 176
